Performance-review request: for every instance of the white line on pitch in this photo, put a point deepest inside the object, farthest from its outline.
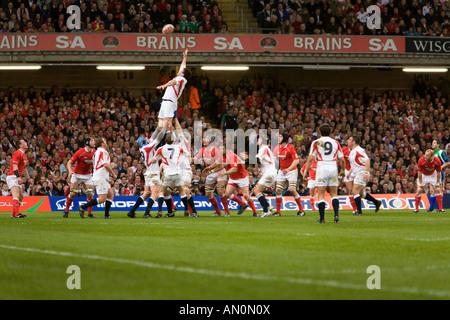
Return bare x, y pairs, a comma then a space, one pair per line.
242, 275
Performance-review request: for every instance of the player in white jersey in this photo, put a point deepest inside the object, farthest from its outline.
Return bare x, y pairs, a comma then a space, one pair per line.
269, 173
327, 152
173, 91
359, 171
100, 178
186, 170
152, 187
170, 155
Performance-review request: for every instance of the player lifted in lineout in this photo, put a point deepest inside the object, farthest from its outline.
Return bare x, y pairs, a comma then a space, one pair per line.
173, 91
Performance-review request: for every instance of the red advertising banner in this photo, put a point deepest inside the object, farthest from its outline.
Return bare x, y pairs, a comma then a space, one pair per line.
29, 204
196, 42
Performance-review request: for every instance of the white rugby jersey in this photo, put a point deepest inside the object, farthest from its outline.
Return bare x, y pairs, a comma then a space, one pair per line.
174, 92
266, 158
101, 157
148, 152
326, 150
185, 159
170, 157
358, 158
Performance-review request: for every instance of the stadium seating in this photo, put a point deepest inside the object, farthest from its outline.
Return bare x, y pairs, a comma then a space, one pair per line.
395, 127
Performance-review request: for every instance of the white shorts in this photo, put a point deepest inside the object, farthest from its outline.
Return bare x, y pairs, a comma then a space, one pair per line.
431, 179
152, 180
311, 184
186, 175
81, 178
358, 178
347, 179
12, 182
241, 183
167, 109
327, 176
101, 186
291, 176
268, 178
213, 177
176, 179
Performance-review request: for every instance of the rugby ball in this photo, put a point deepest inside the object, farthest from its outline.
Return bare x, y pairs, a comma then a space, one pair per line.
168, 28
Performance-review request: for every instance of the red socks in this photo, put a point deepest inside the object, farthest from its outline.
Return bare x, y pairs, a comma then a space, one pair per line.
224, 201
16, 207
215, 204
235, 198
69, 203
439, 201
352, 202
252, 205
279, 200
298, 200
417, 203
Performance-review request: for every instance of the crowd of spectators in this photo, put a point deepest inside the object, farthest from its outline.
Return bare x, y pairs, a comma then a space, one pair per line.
350, 17
137, 16
395, 127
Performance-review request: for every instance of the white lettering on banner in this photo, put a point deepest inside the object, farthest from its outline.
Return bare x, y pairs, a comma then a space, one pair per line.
123, 203
432, 46
165, 43
377, 44
221, 43
322, 43
9, 204
18, 41
64, 42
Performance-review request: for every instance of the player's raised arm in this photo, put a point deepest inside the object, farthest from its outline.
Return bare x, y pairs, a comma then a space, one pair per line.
183, 63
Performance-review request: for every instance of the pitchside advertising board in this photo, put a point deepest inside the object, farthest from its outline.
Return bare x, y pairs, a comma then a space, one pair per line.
125, 203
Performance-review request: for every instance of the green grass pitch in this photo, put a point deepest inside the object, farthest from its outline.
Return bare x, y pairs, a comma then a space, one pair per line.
218, 258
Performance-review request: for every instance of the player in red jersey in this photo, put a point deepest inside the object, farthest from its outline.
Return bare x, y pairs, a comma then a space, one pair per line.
214, 169
430, 171
235, 169
311, 181
81, 174
288, 160
17, 167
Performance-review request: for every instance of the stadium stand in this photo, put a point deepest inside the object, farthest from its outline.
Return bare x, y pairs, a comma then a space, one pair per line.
395, 126
116, 16
347, 17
